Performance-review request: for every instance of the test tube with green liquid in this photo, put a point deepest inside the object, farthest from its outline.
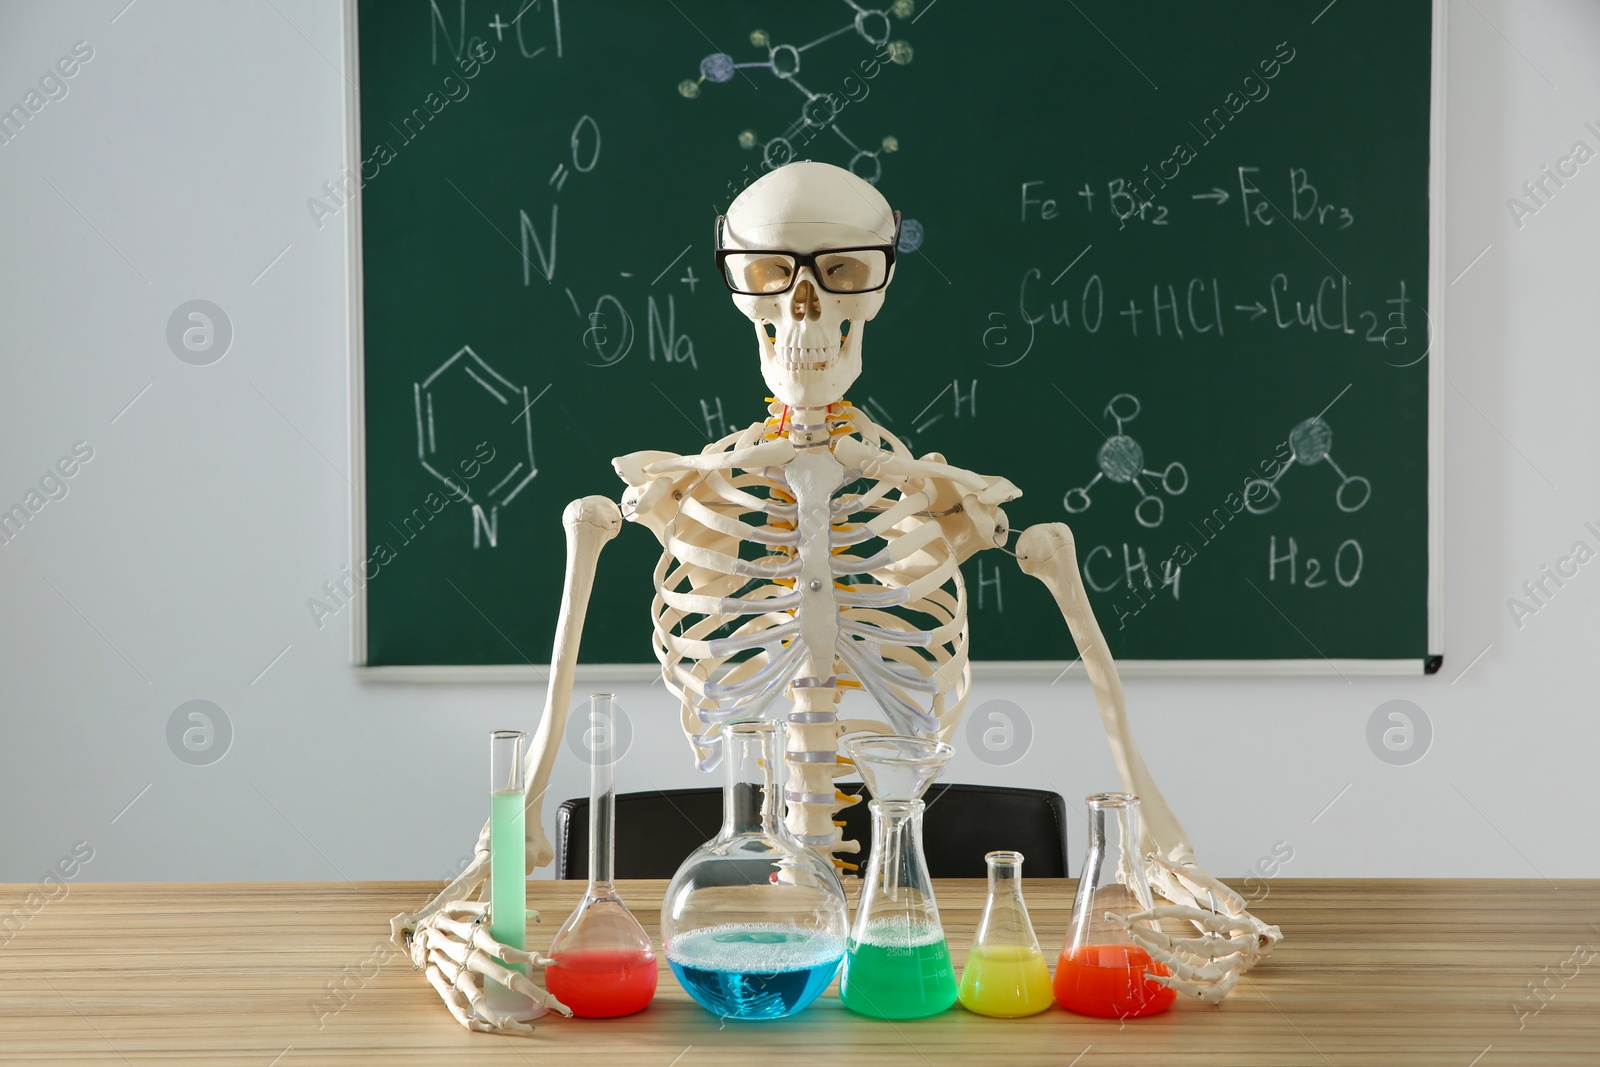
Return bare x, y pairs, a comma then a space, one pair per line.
508, 873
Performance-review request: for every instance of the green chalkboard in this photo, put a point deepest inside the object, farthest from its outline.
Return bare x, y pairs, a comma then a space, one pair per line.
1166, 266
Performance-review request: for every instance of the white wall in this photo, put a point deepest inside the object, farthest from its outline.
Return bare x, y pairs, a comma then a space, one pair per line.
178, 567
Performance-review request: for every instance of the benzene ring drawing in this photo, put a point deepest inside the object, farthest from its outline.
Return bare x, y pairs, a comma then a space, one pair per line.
469, 437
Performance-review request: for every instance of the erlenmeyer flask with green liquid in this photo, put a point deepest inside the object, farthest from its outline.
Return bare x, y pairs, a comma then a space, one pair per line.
897, 964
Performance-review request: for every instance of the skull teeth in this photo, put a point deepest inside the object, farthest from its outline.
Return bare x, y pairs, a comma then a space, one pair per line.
806, 364
809, 359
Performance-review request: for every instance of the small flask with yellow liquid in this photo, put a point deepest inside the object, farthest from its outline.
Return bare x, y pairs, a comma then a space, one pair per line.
1006, 975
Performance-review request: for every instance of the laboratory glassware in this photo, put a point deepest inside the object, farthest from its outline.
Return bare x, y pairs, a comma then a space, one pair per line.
1102, 971
754, 922
605, 965
897, 965
1005, 974
508, 871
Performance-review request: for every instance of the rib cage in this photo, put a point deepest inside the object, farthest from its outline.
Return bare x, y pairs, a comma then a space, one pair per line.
727, 615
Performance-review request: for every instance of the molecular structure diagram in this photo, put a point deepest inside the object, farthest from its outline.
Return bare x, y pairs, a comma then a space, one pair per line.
819, 109
1310, 443
476, 405
1122, 461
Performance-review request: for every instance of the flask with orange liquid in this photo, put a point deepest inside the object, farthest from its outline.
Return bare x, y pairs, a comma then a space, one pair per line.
1101, 970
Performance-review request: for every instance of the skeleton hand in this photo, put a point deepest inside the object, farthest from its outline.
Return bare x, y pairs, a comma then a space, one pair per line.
1231, 940
450, 943
447, 938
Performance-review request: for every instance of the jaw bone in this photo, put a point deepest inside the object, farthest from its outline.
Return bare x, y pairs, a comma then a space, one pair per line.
813, 358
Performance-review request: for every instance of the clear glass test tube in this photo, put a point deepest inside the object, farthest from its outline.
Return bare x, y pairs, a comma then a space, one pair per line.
508, 887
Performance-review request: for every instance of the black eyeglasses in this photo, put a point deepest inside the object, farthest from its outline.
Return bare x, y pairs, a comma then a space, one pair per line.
770, 271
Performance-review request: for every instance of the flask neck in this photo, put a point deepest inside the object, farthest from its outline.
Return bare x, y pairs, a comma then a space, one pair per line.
602, 842
1114, 826
602, 792
891, 816
750, 793
1005, 916
1005, 877
896, 845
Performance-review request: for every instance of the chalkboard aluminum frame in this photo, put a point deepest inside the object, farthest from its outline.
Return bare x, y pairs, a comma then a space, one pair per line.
1030, 670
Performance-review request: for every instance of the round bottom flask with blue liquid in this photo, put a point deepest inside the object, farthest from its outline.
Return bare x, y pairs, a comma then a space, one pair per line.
754, 922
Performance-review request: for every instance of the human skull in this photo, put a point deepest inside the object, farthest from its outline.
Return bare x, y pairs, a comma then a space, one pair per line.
810, 338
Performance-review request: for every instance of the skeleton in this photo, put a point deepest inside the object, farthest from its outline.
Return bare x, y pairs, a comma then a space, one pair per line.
809, 555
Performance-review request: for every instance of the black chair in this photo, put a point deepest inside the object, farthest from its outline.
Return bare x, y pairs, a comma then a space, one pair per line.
656, 831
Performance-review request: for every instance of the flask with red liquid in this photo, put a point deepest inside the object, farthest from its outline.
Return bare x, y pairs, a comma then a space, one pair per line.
1101, 970
605, 965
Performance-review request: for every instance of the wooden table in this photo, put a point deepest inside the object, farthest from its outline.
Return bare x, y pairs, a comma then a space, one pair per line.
1370, 972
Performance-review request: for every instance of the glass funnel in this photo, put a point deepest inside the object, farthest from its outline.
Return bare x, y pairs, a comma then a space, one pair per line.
604, 963
754, 922
897, 965
1101, 971
1006, 974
